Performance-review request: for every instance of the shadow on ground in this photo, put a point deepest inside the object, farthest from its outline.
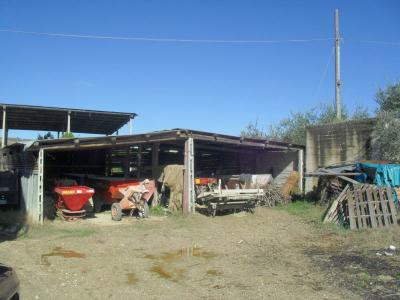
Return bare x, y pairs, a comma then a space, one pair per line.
364, 273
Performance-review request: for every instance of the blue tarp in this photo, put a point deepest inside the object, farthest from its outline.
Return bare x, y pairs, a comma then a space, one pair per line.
380, 174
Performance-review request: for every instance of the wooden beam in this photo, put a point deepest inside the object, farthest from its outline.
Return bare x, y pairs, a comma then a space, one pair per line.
341, 177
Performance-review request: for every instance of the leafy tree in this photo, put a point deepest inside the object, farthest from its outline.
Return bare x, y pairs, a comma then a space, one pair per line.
253, 130
293, 128
386, 138
67, 135
389, 99
46, 136
360, 113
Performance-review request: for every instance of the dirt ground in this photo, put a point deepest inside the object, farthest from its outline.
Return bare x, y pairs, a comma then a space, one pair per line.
272, 254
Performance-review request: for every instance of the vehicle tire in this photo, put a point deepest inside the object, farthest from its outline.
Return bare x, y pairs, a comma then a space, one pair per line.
116, 212
146, 210
97, 204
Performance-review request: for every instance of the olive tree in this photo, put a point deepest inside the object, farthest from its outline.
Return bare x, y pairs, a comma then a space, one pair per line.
293, 128
386, 137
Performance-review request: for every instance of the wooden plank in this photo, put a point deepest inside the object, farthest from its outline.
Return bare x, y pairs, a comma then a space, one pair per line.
378, 210
341, 177
360, 209
371, 208
384, 207
338, 213
350, 204
391, 205
364, 207
310, 174
333, 209
357, 212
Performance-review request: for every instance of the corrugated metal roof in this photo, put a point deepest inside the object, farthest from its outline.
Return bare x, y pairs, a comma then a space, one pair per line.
28, 117
160, 136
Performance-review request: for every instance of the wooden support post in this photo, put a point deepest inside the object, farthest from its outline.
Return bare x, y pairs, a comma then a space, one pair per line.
39, 208
4, 136
301, 170
188, 180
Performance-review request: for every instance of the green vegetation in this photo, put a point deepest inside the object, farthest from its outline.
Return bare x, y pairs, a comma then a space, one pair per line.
305, 210
293, 128
56, 232
46, 136
364, 276
67, 135
157, 210
386, 140
312, 214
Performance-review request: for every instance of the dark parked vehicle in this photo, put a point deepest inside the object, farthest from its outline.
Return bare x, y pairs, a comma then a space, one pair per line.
9, 189
9, 283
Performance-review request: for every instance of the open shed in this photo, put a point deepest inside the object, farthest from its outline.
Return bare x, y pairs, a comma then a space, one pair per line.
141, 156
29, 117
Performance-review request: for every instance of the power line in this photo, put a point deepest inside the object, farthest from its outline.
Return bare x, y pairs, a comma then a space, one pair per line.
168, 40
388, 43
322, 79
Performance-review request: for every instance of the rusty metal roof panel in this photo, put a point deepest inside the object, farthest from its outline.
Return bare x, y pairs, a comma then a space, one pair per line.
28, 117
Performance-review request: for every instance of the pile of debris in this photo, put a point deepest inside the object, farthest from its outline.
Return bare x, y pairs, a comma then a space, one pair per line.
356, 204
244, 191
272, 196
363, 206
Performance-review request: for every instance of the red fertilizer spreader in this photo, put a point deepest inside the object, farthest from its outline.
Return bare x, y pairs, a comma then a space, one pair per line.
71, 200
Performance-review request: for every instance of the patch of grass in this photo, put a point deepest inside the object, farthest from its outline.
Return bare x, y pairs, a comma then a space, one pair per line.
304, 209
157, 210
56, 232
313, 214
364, 276
80, 233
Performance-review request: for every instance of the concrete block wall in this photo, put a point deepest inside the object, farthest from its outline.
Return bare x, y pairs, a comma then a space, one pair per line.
337, 143
279, 164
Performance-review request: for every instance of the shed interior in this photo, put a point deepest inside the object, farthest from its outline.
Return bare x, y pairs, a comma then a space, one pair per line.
146, 160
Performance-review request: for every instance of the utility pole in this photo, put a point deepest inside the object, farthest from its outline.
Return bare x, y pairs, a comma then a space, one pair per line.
337, 67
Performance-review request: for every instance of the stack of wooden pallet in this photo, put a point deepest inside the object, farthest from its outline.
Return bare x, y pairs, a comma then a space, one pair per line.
363, 206
338, 210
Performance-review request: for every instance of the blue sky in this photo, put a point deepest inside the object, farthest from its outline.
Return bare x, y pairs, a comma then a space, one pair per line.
204, 86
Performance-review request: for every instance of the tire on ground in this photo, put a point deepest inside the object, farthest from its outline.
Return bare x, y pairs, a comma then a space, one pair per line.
97, 203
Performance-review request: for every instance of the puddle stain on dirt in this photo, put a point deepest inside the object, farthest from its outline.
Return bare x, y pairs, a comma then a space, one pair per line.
131, 278
167, 272
213, 272
59, 251
171, 256
164, 262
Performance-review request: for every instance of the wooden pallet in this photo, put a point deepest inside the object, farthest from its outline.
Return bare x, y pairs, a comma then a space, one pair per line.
370, 207
334, 211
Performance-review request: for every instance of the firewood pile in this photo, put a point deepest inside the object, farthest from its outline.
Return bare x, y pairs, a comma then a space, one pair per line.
272, 196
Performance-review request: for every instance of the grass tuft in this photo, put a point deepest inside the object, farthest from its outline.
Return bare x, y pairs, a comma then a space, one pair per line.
157, 210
